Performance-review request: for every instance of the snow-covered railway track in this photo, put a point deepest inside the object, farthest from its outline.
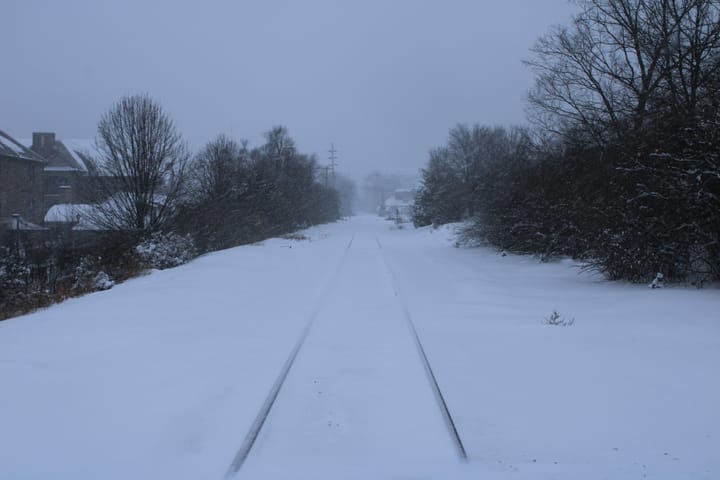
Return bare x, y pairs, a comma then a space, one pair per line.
357, 390
439, 397
267, 405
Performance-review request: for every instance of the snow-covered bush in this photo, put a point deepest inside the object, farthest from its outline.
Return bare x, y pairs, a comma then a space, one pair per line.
89, 277
18, 292
166, 250
83, 275
102, 281
14, 271
557, 320
658, 281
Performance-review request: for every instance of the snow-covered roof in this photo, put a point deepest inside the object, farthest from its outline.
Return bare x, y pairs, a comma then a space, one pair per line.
396, 202
60, 169
83, 215
78, 147
8, 144
13, 148
68, 154
64, 212
79, 214
401, 197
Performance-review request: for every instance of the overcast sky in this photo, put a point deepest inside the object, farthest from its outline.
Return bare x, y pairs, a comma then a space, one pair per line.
382, 79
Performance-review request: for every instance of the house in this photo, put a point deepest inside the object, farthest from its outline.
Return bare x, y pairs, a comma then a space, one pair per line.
399, 204
21, 182
65, 177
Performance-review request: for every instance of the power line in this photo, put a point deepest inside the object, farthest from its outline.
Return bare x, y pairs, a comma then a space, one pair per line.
333, 157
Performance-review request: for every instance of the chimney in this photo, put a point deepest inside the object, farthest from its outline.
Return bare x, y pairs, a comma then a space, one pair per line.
43, 143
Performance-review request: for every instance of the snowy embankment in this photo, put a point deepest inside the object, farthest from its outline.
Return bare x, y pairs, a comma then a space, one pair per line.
162, 376
631, 390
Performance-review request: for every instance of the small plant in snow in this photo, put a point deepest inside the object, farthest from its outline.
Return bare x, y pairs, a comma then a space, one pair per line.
658, 281
166, 250
558, 320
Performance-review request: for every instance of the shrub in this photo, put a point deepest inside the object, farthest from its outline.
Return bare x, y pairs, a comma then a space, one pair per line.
102, 281
89, 276
166, 250
18, 292
557, 320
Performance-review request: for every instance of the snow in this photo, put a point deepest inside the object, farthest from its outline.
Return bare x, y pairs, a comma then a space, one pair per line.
394, 202
88, 216
64, 212
79, 145
402, 197
13, 146
82, 214
60, 169
73, 146
162, 376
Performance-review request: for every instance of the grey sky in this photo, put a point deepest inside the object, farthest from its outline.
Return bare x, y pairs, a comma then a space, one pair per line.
383, 79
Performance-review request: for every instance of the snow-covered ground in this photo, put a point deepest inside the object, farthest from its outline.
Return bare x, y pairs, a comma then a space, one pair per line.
163, 376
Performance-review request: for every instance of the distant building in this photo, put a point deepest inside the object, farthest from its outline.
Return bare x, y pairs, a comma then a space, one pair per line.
21, 181
400, 203
65, 178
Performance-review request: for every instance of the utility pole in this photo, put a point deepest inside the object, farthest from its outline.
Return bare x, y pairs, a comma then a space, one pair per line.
332, 159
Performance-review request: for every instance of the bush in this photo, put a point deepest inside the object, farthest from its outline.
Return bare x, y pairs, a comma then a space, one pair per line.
166, 250
14, 272
557, 320
102, 281
18, 292
89, 276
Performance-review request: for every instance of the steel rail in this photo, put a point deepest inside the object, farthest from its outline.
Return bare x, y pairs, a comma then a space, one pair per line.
439, 397
267, 405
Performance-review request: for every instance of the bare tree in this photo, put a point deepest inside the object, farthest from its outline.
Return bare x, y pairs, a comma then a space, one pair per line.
141, 166
218, 167
693, 65
605, 72
278, 144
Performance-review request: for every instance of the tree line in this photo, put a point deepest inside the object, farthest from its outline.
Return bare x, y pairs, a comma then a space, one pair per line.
225, 195
243, 194
157, 205
620, 166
